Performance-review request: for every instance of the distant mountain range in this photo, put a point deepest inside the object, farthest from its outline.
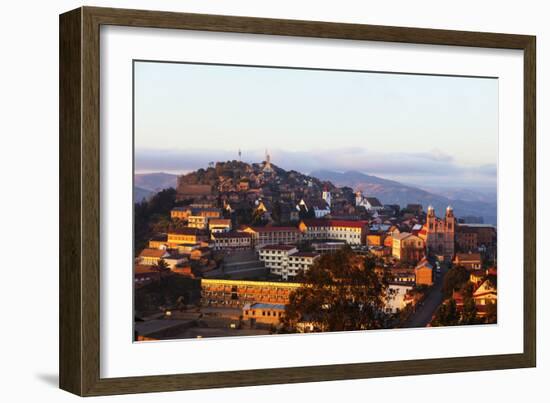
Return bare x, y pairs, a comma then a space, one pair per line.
392, 192
146, 185
387, 191
140, 194
156, 181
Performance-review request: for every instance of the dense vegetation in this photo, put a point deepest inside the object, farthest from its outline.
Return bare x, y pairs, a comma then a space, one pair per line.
152, 216
341, 291
454, 280
166, 293
457, 279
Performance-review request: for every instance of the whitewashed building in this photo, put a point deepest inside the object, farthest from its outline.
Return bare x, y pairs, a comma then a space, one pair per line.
285, 260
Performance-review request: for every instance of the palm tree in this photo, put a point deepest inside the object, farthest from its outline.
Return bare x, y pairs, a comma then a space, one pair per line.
161, 267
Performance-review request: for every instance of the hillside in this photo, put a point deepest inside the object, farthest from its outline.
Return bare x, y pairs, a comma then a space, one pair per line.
140, 194
392, 192
387, 191
155, 182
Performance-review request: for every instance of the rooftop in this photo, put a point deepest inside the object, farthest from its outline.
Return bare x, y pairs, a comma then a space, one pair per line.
374, 202
220, 221
267, 306
274, 229
227, 235
278, 247
335, 223
468, 257
149, 252
186, 231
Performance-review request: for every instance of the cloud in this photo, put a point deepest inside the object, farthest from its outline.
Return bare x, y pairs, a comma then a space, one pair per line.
415, 167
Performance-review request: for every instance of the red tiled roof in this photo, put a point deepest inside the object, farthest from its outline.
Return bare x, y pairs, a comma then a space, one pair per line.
148, 252
274, 229
219, 221
336, 223
143, 269
186, 231
228, 235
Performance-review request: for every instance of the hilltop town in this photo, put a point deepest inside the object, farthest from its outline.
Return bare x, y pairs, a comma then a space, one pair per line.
224, 252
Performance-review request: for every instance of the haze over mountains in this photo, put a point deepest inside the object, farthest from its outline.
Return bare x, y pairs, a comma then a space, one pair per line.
392, 192
466, 202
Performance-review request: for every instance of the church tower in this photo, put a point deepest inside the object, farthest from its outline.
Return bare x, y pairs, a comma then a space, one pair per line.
327, 196
449, 220
430, 219
358, 198
439, 234
267, 166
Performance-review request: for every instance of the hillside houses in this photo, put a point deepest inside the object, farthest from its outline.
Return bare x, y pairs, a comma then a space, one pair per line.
235, 225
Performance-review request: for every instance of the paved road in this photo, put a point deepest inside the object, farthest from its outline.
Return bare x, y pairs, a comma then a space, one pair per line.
424, 312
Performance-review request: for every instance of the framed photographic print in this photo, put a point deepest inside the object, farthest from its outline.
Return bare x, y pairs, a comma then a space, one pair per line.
250, 201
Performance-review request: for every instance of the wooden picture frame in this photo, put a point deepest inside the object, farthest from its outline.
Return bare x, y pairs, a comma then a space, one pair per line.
80, 198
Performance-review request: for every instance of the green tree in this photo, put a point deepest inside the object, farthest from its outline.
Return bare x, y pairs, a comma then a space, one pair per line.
454, 280
276, 213
341, 291
446, 314
469, 312
151, 215
161, 267
491, 310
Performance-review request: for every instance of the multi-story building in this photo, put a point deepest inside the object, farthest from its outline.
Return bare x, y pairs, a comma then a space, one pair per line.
202, 210
150, 257
263, 313
285, 260
351, 232
186, 235
209, 212
300, 261
407, 247
219, 225
197, 221
231, 240
439, 234
237, 293
324, 247
486, 234
471, 261
263, 236
180, 213
158, 241
402, 275
275, 257
466, 238
424, 273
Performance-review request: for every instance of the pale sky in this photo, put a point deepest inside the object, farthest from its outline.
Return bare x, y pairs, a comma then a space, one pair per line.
404, 127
